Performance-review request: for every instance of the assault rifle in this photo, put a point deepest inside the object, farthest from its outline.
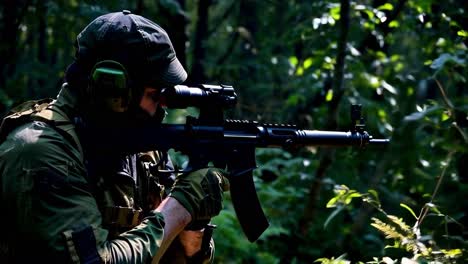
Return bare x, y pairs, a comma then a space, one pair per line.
229, 144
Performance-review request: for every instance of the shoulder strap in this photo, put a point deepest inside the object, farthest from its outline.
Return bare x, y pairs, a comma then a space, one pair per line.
20, 115
59, 121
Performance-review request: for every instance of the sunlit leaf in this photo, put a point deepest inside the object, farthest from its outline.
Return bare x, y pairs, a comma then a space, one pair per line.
354, 51
424, 163
382, 114
349, 197
374, 81
307, 63
409, 209
441, 42
300, 71
293, 61
395, 58
329, 95
333, 201
394, 24
388, 87
399, 67
386, 6
335, 12
452, 253
369, 13
445, 116
462, 33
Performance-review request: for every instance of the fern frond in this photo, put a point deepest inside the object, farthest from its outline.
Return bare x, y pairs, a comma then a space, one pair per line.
406, 229
388, 230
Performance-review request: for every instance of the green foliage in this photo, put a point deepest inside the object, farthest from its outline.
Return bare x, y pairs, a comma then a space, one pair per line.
421, 248
406, 63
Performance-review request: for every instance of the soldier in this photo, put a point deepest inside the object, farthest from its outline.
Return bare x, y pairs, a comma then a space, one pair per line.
63, 201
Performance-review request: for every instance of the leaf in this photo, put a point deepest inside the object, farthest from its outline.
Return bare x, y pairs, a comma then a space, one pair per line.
462, 33
452, 253
300, 71
386, 6
394, 24
445, 116
416, 116
409, 210
388, 87
333, 201
374, 193
329, 95
440, 62
433, 208
389, 231
335, 12
382, 114
307, 63
350, 196
295, 99
293, 61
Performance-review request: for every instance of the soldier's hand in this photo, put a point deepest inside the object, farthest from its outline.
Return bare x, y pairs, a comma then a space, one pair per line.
201, 193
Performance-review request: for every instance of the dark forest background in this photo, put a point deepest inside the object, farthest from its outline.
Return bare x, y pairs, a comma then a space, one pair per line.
306, 62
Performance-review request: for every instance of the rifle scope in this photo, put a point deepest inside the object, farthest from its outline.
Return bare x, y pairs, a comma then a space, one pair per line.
203, 96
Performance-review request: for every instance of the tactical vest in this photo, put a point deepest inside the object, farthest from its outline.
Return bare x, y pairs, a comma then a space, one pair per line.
115, 217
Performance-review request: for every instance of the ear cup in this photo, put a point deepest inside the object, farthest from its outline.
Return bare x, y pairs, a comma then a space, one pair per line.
109, 87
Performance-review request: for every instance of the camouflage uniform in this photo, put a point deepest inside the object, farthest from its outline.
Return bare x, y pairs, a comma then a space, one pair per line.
58, 207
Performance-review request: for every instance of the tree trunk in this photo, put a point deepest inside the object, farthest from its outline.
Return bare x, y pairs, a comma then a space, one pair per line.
201, 30
40, 89
12, 13
11, 17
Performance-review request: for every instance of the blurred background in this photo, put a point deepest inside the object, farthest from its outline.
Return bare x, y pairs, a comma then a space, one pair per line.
305, 63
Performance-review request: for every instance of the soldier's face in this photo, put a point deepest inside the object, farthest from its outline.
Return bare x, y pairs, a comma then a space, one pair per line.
150, 100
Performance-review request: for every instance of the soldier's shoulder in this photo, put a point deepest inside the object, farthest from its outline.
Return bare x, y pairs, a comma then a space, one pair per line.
34, 137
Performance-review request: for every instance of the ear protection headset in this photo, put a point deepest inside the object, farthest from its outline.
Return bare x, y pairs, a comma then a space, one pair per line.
110, 85
110, 88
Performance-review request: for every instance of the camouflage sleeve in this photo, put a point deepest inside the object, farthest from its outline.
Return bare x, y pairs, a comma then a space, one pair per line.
175, 253
53, 216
